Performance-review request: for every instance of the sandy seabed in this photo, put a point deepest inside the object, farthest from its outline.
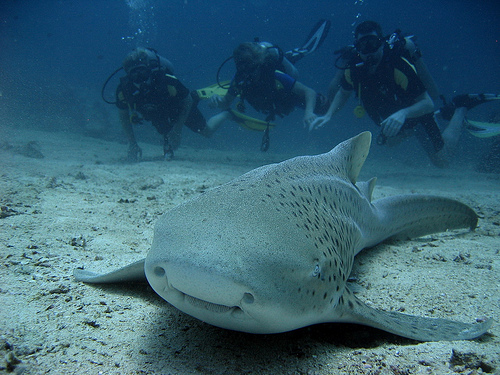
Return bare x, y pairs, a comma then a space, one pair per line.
81, 205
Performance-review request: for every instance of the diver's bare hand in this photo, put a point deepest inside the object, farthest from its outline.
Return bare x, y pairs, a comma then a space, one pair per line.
215, 101
134, 152
318, 122
174, 139
309, 119
393, 124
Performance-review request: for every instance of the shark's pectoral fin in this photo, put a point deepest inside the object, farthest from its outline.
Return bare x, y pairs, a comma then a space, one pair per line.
132, 272
413, 327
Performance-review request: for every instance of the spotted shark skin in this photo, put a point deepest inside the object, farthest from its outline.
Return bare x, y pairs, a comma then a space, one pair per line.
271, 251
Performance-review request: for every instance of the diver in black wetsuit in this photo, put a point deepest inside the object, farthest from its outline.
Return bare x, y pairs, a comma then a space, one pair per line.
390, 91
151, 92
267, 79
397, 46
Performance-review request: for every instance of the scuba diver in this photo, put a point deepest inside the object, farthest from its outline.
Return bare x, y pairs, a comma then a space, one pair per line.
267, 79
393, 86
150, 92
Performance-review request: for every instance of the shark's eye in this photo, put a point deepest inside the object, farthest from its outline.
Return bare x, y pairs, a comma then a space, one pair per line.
317, 271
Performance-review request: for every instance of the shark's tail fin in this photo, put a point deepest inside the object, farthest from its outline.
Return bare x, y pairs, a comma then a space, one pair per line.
410, 216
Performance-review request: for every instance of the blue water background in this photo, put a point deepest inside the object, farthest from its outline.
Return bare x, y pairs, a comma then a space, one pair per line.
55, 56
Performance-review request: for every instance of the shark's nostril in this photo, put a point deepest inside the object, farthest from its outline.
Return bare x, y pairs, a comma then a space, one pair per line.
237, 313
248, 298
159, 271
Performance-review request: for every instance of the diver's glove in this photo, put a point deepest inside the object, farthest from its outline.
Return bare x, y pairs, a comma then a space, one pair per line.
134, 152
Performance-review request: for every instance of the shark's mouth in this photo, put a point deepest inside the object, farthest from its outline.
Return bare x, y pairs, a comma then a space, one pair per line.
213, 307
209, 306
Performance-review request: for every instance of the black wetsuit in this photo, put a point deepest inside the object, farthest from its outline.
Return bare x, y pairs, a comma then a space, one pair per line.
160, 101
394, 86
272, 94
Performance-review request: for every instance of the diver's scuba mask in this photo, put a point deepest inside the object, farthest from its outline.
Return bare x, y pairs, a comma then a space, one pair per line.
140, 74
247, 70
368, 44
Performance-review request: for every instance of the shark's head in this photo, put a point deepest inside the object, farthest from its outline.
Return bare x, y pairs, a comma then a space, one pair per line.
245, 282
249, 265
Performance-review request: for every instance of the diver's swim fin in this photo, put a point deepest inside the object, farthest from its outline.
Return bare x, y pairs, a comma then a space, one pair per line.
482, 129
477, 128
469, 101
214, 89
250, 123
314, 40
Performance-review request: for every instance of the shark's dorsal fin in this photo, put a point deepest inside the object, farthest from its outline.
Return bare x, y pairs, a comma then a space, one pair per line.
351, 155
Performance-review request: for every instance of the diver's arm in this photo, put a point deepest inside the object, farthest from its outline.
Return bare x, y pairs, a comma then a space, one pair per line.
336, 105
427, 80
422, 106
422, 70
134, 151
127, 126
174, 136
309, 96
334, 84
222, 102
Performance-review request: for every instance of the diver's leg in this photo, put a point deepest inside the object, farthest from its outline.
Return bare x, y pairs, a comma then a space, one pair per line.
452, 133
215, 122
462, 103
470, 101
429, 136
164, 127
290, 69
